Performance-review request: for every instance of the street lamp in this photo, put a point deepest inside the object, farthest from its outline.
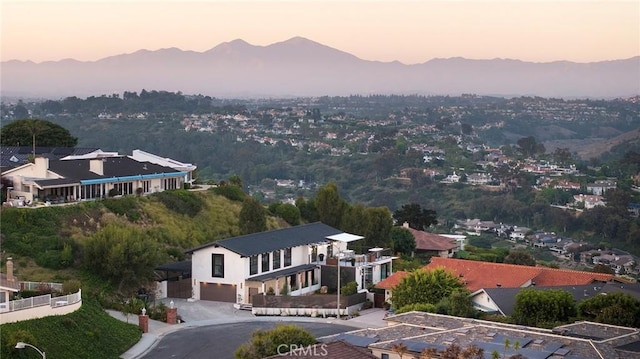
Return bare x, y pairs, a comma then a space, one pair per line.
22, 345
345, 238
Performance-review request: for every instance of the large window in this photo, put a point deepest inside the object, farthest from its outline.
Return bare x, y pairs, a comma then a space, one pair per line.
265, 262
330, 250
314, 253
287, 257
253, 265
276, 259
217, 265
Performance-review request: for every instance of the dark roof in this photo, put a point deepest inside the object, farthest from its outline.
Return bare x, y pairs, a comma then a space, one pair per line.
56, 182
112, 167
184, 266
22, 153
505, 298
269, 241
333, 350
282, 273
633, 289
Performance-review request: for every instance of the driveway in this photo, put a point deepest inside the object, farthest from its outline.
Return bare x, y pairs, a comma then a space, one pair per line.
220, 341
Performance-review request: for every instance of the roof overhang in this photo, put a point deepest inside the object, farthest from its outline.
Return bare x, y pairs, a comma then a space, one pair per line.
344, 237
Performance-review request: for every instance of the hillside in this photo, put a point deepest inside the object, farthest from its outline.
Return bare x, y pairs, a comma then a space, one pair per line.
48, 243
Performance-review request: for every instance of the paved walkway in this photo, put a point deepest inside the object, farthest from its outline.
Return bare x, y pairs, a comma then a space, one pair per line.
205, 313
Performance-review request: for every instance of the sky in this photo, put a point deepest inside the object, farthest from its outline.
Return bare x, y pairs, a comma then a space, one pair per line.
382, 30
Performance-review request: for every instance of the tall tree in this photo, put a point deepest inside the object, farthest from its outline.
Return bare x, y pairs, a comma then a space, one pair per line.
418, 218
402, 240
34, 131
330, 205
253, 217
378, 233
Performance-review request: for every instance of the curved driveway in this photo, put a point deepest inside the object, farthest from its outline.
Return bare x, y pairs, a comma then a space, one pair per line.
220, 341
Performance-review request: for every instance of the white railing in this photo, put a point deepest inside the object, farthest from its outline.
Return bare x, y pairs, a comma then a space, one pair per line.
44, 300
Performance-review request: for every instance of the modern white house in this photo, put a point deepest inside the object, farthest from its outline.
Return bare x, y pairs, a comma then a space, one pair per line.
76, 179
283, 261
187, 168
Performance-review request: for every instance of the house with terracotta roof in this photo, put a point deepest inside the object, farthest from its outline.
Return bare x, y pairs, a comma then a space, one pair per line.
433, 244
477, 275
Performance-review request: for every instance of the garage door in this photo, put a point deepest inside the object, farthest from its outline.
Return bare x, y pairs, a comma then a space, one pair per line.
218, 292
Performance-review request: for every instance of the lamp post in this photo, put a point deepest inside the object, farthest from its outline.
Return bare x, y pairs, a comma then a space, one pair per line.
22, 345
335, 240
339, 251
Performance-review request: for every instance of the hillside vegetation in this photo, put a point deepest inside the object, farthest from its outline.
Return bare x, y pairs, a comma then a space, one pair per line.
68, 242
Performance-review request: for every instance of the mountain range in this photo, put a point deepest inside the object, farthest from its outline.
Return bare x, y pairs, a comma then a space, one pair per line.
302, 67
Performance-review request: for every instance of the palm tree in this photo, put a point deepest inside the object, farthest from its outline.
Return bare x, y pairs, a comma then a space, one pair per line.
400, 348
507, 345
35, 127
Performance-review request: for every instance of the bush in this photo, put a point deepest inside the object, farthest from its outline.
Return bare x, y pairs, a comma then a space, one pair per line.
231, 192
348, 289
71, 286
125, 206
181, 201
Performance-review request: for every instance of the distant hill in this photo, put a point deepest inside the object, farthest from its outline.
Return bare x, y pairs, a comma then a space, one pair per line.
301, 67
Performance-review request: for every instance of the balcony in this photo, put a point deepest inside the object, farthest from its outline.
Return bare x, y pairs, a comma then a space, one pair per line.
350, 259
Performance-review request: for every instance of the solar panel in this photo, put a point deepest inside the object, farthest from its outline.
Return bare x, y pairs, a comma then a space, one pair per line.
356, 340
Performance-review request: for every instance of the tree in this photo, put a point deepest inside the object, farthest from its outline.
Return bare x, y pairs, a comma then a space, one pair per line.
34, 131
253, 217
529, 147
611, 308
400, 348
279, 340
425, 286
379, 224
402, 241
330, 205
418, 218
520, 258
288, 212
543, 307
122, 255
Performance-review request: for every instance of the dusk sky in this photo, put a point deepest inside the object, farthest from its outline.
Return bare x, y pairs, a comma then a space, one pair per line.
407, 31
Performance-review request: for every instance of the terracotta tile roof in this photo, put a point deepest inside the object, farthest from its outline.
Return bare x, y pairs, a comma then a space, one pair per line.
391, 281
478, 275
432, 242
550, 277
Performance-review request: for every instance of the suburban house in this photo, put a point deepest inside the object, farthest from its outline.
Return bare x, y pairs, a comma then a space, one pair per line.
433, 244
589, 200
421, 332
476, 275
187, 168
479, 178
284, 261
503, 300
600, 187
89, 176
8, 286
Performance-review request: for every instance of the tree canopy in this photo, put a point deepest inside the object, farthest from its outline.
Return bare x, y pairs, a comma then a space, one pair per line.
544, 308
277, 341
23, 133
418, 218
520, 258
612, 308
253, 217
425, 286
402, 240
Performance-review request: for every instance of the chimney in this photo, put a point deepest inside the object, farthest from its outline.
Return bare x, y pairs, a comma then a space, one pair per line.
96, 166
405, 225
10, 276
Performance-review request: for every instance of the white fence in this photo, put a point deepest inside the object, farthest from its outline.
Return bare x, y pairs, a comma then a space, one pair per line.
44, 300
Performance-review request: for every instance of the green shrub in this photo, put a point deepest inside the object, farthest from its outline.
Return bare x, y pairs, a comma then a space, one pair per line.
181, 201
348, 289
231, 192
124, 206
71, 286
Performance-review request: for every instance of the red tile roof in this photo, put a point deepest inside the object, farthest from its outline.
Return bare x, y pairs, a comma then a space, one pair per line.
432, 242
391, 281
477, 275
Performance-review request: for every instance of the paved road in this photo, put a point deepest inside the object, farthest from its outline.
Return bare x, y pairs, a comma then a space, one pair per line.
220, 341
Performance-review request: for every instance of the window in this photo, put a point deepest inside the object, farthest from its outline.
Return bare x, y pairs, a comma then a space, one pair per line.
384, 356
293, 281
265, 262
329, 251
287, 257
253, 265
276, 259
314, 253
217, 265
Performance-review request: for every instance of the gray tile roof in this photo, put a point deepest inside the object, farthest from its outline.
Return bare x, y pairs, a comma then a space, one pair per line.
269, 241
